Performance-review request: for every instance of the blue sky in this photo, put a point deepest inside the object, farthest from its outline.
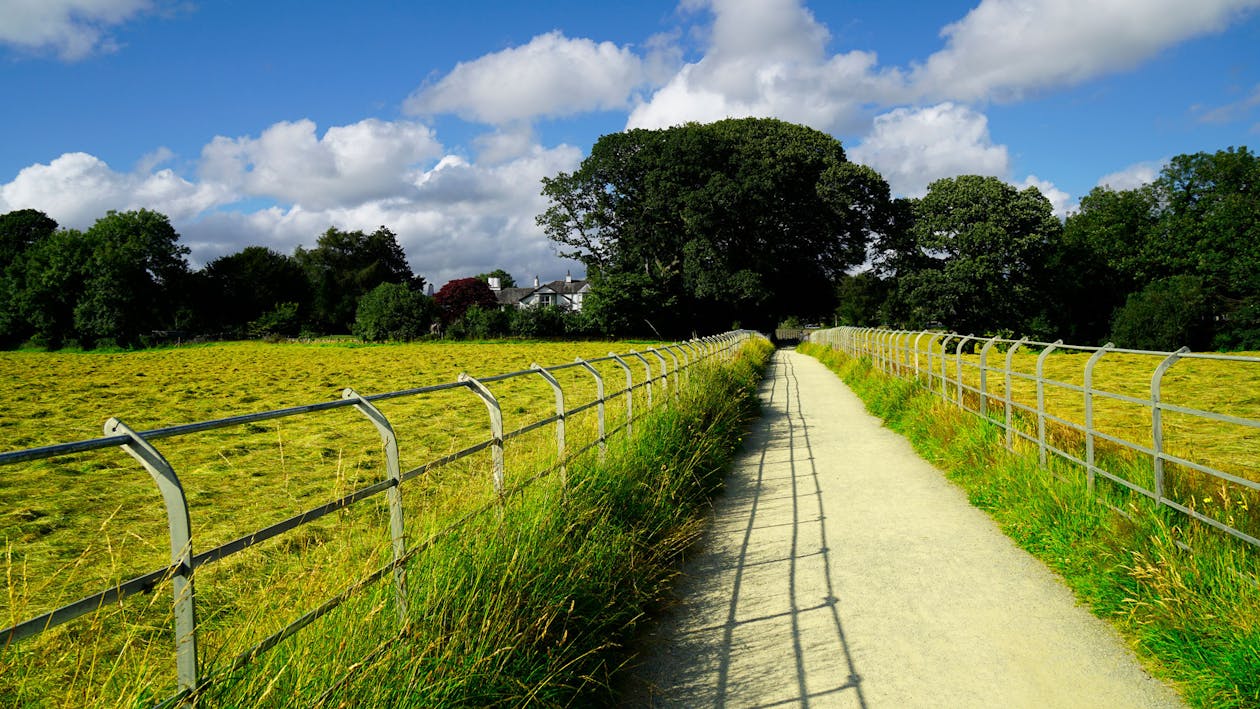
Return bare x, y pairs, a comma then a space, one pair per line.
268, 122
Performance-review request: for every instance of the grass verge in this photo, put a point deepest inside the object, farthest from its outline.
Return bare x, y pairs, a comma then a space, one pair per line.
1193, 617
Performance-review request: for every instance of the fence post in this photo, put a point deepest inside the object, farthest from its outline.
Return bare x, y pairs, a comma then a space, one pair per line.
1041, 401
945, 366
916, 354
984, 377
1157, 419
1089, 412
393, 495
664, 372
629, 392
496, 429
599, 396
1010, 431
677, 384
958, 357
180, 528
648, 368
560, 415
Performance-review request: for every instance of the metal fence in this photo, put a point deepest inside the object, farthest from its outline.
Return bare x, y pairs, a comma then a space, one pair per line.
658, 365
958, 367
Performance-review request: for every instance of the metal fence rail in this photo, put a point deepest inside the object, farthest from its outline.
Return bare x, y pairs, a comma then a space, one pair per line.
184, 562
948, 363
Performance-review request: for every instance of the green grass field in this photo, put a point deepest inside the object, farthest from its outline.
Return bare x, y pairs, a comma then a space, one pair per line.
74, 525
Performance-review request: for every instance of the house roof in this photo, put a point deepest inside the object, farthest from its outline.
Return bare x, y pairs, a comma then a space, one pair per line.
566, 287
512, 296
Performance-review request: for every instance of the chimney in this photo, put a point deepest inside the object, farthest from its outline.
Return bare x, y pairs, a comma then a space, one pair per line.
535, 281
494, 284
430, 293
568, 277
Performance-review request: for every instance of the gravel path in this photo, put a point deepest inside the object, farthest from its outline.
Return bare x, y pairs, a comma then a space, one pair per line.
843, 570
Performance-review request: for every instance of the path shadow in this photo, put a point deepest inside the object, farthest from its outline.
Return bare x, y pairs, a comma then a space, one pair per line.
760, 595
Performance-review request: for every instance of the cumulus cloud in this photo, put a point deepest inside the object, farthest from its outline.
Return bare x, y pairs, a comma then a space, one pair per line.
551, 76
911, 147
1133, 176
73, 29
368, 160
462, 219
77, 188
1003, 49
768, 58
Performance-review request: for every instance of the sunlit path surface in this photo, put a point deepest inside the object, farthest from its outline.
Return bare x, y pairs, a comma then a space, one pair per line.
843, 570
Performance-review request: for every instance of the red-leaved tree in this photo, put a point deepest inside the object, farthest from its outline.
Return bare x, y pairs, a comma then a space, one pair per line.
459, 295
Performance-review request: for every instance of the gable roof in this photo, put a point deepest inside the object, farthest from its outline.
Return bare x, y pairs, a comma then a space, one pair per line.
512, 296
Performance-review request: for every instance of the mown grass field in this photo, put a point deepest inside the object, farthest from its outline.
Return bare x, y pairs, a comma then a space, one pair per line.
73, 525
1185, 596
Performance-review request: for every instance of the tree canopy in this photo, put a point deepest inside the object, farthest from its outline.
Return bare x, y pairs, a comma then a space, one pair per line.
345, 265
700, 226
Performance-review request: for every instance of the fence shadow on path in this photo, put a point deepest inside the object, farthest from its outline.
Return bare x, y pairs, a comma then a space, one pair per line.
758, 619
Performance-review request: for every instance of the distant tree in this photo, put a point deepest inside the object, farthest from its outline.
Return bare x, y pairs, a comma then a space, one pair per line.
134, 278
241, 288
984, 242
393, 311
859, 297
345, 265
505, 279
1106, 254
54, 272
1168, 313
20, 231
460, 294
742, 219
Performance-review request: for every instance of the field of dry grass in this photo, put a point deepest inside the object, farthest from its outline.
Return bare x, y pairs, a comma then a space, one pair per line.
73, 525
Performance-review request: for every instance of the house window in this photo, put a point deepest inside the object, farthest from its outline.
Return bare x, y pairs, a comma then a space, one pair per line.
547, 299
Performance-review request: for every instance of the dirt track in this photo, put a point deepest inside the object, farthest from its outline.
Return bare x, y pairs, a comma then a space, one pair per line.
843, 570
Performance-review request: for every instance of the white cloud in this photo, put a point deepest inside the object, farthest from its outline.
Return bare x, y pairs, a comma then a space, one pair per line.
552, 75
461, 219
1003, 49
76, 189
911, 147
368, 160
1133, 176
768, 58
72, 29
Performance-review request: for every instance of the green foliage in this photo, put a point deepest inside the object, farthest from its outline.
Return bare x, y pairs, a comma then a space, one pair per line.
245, 290
986, 241
538, 323
483, 323
1165, 315
344, 266
392, 311
859, 297
280, 320
746, 219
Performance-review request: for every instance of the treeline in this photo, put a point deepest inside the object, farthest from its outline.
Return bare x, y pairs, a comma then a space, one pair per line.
754, 221
1174, 262
126, 282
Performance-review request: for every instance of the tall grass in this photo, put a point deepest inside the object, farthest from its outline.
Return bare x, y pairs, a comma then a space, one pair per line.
1184, 596
525, 603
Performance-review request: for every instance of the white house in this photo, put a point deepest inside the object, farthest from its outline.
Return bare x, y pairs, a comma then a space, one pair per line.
566, 295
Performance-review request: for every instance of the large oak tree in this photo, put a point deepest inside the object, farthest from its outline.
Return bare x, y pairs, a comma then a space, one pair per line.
701, 226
